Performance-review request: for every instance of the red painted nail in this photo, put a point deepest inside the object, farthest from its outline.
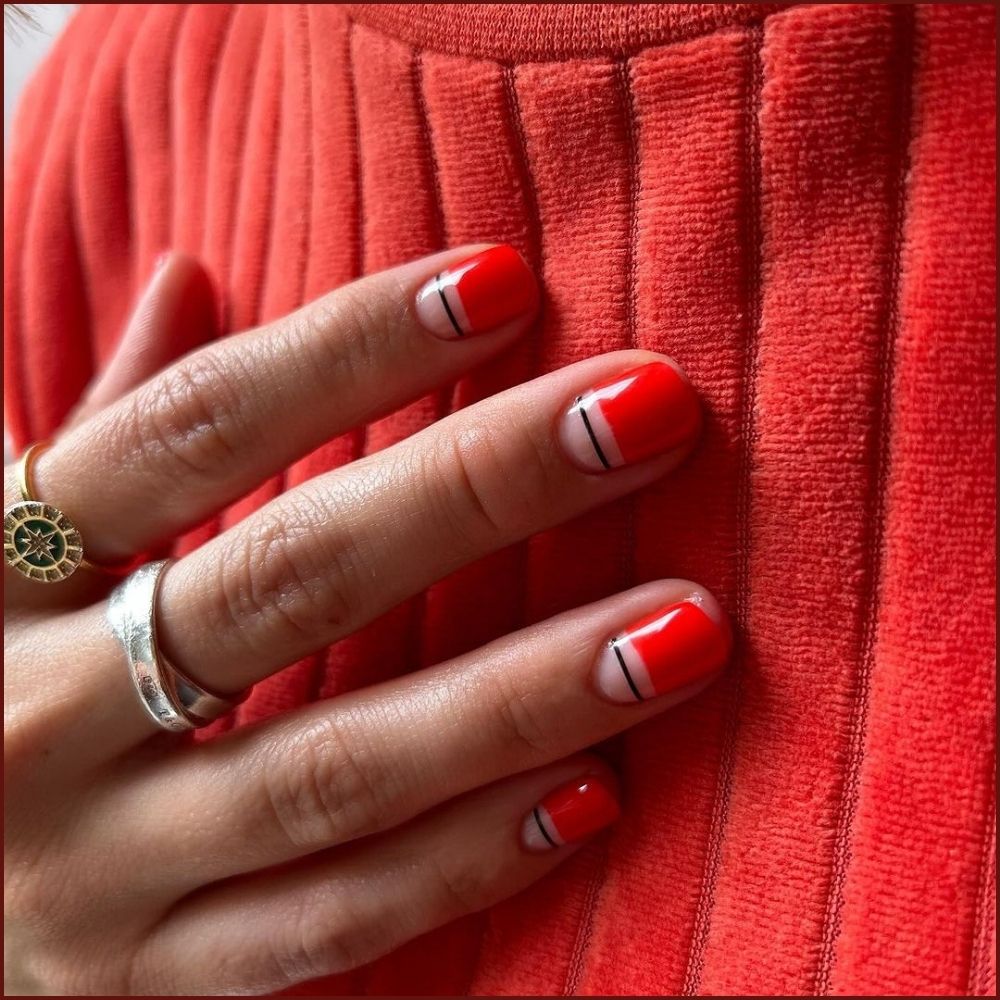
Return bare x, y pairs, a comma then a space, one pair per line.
570, 813
480, 294
635, 415
672, 648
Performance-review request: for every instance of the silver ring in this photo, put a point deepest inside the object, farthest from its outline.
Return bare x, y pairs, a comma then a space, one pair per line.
172, 699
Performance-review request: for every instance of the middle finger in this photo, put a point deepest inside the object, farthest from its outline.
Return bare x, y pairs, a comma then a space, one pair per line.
322, 560
212, 426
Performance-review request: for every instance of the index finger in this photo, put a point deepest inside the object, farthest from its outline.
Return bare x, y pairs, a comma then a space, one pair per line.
218, 422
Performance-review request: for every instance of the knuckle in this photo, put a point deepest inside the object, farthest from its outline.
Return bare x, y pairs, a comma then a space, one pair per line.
26, 896
45, 968
460, 475
322, 938
339, 334
35, 722
27, 736
190, 421
143, 975
462, 887
39, 886
490, 488
291, 576
326, 788
78, 971
50, 940
523, 728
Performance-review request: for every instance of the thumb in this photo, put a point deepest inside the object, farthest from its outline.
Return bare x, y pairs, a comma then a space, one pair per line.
175, 313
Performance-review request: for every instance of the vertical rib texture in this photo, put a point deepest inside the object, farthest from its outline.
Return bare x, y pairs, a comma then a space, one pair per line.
798, 205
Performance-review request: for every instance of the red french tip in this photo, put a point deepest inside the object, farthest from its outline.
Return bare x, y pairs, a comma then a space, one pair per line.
631, 417
571, 813
676, 646
482, 293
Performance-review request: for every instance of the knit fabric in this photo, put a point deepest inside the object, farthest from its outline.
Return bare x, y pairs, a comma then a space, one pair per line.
797, 203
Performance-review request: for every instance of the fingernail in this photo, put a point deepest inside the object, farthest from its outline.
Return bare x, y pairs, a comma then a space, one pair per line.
571, 813
633, 416
478, 295
677, 646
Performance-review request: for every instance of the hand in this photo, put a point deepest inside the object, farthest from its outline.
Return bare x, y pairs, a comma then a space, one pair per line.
140, 862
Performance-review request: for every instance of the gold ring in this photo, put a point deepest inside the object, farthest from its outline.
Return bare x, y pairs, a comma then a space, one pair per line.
39, 540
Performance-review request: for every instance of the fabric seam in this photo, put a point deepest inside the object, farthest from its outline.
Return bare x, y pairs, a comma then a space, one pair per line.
173, 129
534, 258
359, 444
877, 509
980, 950
537, 259
27, 398
273, 170
626, 96
631, 286
613, 54
748, 435
316, 671
359, 979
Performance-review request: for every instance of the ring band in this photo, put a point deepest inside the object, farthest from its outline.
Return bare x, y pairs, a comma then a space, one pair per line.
26, 469
173, 700
39, 540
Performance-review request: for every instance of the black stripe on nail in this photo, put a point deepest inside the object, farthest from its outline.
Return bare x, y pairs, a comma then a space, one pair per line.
590, 432
447, 308
628, 676
541, 827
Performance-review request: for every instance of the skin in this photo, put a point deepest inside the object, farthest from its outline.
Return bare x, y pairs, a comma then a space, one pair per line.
140, 863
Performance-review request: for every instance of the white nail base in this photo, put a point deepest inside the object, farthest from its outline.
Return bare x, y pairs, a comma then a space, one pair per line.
618, 665
586, 436
531, 831
431, 310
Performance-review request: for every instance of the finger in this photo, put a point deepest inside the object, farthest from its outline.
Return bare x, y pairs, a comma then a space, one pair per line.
345, 908
364, 762
324, 559
219, 421
175, 314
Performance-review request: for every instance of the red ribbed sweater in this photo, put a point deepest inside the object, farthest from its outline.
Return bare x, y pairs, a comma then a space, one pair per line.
795, 201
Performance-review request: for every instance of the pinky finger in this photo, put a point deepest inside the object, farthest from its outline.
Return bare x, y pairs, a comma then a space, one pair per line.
341, 909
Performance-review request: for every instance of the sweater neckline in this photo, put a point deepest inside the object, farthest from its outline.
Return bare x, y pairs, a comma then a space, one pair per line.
543, 32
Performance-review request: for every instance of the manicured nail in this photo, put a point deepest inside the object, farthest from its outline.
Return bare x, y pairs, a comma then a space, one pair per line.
478, 295
633, 416
676, 646
571, 813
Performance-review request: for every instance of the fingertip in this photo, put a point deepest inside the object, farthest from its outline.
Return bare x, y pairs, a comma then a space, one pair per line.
489, 291
175, 314
196, 316
631, 416
573, 811
668, 654
181, 299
